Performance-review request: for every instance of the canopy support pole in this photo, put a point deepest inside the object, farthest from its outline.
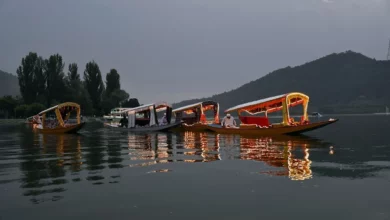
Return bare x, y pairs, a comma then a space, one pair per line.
78, 115
43, 120
59, 117
286, 116
305, 105
216, 114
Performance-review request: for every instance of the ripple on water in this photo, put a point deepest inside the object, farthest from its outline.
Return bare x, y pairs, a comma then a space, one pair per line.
160, 171
49, 165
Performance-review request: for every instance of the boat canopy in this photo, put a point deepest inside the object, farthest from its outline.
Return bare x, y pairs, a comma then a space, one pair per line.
152, 108
159, 106
62, 112
203, 106
273, 104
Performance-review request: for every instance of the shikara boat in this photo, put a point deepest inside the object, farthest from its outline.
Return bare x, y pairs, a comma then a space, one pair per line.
194, 116
260, 125
145, 118
115, 114
61, 122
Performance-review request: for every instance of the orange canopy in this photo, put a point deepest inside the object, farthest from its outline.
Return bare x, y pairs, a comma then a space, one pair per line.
273, 104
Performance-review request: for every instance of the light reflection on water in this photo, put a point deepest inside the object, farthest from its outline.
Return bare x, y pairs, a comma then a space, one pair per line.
279, 154
48, 163
193, 147
168, 148
104, 171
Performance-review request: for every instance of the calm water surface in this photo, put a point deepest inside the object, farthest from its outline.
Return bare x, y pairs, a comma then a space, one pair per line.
102, 173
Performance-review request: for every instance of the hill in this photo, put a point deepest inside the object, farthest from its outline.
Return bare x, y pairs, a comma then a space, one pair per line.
9, 84
347, 82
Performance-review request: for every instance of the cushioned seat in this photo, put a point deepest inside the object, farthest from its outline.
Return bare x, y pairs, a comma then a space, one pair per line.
261, 121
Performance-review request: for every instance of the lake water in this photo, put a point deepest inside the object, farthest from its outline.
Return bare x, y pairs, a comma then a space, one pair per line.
102, 173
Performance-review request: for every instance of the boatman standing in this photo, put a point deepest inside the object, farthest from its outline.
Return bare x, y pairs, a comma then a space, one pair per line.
124, 122
228, 121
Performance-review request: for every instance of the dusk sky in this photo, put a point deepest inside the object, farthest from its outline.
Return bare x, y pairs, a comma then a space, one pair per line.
174, 50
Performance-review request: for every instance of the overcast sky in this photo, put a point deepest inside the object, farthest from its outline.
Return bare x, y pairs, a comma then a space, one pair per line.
179, 49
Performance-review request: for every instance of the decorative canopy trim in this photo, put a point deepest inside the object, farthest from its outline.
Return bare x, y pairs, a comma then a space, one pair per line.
65, 104
263, 104
159, 106
203, 104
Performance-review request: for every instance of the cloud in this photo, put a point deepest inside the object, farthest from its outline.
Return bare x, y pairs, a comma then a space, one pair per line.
327, 1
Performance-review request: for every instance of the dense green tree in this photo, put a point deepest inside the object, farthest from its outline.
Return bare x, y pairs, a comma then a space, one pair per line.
115, 99
21, 111
43, 84
131, 103
55, 88
7, 105
30, 77
73, 77
39, 81
94, 85
75, 91
73, 72
34, 109
112, 82
113, 95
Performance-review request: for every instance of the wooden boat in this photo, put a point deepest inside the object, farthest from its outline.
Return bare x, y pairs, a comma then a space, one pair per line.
115, 114
145, 118
61, 123
260, 125
194, 116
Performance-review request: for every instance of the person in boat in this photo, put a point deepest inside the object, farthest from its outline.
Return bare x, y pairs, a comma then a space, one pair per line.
123, 122
228, 121
164, 120
38, 122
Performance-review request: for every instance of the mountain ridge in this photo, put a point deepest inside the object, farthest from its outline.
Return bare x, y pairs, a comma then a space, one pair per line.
346, 82
9, 84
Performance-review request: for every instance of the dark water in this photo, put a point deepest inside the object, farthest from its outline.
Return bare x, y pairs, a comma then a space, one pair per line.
103, 173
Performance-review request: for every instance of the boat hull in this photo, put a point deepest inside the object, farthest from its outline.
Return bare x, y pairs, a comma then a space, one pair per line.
148, 129
60, 130
195, 127
285, 130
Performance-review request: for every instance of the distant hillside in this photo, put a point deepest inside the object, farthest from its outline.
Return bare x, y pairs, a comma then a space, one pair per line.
346, 82
8, 84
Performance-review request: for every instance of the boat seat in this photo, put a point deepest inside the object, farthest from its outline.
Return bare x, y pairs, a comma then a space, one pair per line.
261, 121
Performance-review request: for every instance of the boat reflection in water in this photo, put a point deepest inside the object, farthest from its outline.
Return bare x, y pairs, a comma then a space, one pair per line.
280, 153
154, 148
44, 164
67, 149
50, 162
290, 153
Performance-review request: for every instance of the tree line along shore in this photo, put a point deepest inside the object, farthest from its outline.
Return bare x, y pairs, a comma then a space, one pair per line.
46, 82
